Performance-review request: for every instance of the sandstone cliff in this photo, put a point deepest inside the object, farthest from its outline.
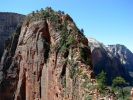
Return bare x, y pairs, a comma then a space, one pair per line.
47, 58
8, 24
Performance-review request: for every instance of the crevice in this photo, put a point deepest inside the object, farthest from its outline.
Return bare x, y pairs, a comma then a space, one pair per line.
46, 42
66, 54
63, 73
23, 88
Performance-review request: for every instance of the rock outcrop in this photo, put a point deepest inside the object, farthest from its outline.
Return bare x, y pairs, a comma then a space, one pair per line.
125, 56
109, 59
47, 58
8, 25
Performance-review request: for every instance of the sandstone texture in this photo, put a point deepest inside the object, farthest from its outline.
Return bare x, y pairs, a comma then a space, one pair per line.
48, 58
8, 25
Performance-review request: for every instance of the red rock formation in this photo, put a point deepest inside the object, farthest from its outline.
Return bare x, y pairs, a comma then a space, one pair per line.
43, 67
51, 61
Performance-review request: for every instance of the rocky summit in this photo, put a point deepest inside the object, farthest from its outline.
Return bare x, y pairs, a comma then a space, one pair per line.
48, 58
8, 24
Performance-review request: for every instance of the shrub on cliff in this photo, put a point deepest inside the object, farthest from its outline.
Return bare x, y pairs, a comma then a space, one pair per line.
118, 84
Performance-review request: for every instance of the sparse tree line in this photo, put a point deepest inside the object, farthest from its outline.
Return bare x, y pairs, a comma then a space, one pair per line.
118, 85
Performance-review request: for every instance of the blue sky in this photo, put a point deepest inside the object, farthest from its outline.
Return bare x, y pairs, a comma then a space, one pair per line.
109, 21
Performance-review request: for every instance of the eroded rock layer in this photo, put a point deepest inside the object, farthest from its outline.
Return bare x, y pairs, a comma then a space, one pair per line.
8, 25
48, 58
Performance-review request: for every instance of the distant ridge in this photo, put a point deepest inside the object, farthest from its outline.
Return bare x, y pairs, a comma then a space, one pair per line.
8, 24
115, 60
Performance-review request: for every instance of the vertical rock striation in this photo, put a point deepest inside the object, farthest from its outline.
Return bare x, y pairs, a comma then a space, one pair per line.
48, 58
8, 25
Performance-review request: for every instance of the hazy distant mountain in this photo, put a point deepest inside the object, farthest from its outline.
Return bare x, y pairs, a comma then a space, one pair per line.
8, 24
115, 60
124, 54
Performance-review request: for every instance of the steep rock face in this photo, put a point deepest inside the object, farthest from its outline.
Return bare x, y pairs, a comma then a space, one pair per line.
124, 54
9, 68
8, 24
104, 59
50, 60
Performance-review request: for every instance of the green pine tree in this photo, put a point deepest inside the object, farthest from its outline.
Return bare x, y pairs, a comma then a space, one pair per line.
102, 81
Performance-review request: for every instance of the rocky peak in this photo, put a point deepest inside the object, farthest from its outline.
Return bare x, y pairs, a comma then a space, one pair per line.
117, 49
94, 43
48, 58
